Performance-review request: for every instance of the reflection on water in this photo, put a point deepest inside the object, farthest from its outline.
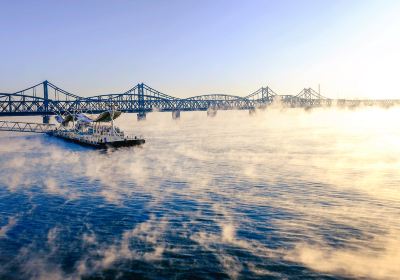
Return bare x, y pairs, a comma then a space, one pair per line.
282, 194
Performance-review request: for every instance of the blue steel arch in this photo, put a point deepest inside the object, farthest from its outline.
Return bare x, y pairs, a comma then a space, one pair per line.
41, 99
140, 98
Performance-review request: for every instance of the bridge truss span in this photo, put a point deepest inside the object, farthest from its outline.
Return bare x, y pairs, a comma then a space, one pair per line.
47, 99
262, 97
213, 101
41, 99
140, 98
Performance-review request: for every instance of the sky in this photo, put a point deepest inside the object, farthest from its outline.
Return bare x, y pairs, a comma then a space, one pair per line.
185, 48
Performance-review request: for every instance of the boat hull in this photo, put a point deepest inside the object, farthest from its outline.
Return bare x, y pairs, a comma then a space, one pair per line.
102, 145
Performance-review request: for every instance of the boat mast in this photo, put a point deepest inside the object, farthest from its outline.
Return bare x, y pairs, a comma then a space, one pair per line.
112, 120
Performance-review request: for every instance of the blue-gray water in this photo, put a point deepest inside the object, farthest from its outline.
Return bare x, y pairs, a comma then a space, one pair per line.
285, 194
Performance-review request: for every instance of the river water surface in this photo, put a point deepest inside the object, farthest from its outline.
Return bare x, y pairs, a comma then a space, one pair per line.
283, 194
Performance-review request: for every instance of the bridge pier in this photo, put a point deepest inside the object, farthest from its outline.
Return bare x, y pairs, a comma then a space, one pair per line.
252, 111
176, 114
141, 116
211, 112
46, 119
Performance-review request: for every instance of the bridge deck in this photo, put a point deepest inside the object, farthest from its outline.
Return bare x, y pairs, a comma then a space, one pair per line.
25, 127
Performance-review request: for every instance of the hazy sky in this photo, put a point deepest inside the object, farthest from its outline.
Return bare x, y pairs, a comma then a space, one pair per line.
186, 48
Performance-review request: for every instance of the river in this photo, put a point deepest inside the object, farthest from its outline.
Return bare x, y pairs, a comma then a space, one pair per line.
282, 194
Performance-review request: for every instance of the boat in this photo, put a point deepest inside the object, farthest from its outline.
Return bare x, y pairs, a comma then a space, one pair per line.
98, 133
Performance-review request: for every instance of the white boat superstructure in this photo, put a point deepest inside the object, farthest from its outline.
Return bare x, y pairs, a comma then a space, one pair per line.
100, 132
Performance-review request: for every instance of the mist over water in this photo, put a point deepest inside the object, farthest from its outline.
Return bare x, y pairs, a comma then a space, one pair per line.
283, 194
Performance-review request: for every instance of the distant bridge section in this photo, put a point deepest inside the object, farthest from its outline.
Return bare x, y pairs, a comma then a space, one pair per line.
47, 99
214, 102
262, 97
308, 98
367, 102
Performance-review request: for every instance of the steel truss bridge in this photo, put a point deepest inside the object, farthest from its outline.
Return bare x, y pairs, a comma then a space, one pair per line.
47, 99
